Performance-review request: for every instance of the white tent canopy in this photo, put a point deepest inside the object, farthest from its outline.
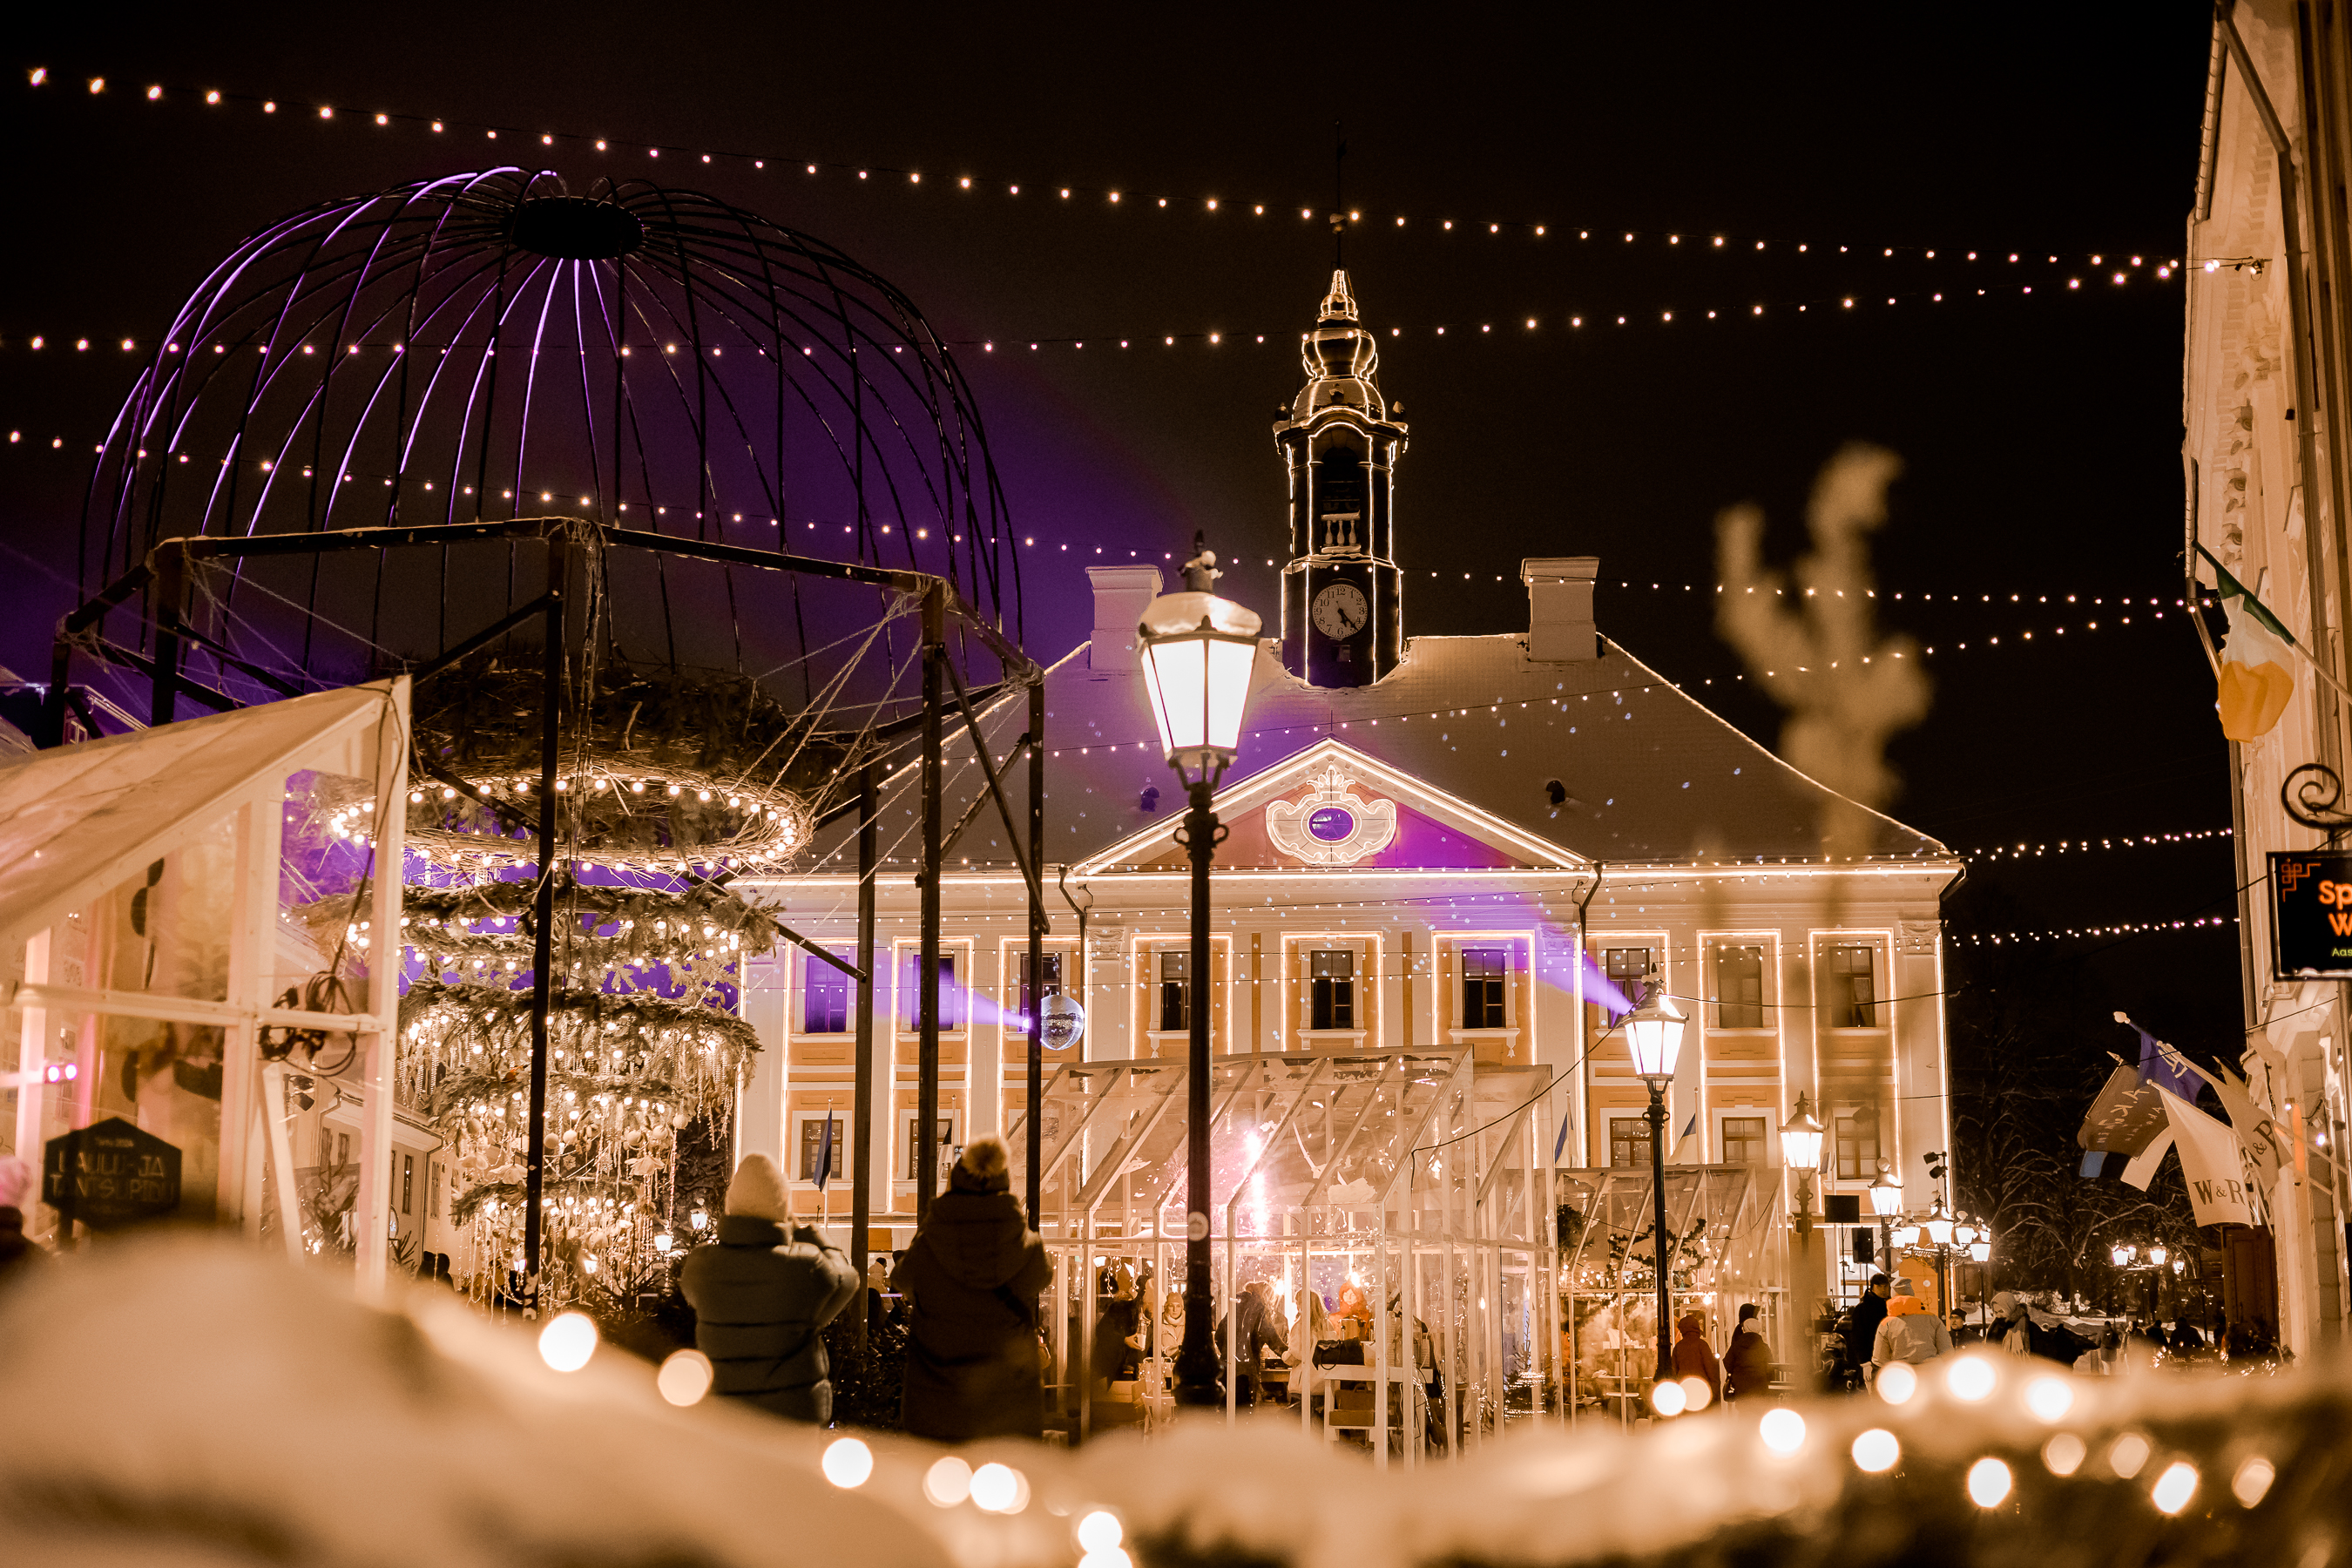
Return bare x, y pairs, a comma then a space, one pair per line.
141, 914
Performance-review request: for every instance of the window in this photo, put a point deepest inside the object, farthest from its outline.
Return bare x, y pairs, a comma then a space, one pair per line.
1176, 990
1739, 988
947, 1150
911, 993
826, 990
1483, 976
1626, 968
1743, 1140
1857, 1141
1629, 1142
433, 1179
813, 1162
1052, 964
1331, 972
1850, 988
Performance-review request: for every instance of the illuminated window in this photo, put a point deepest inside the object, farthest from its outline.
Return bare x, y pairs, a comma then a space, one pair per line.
949, 1148
1331, 972
812, 1151
1176, 990
911, 993
1626, 968
1484, 975
1629, 1142
1850, 988
1740, 987
1856, 1133
1051, 963
825, 994
1743, 1140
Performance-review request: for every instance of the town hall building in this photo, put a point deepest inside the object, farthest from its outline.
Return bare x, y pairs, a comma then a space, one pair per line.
1479, 846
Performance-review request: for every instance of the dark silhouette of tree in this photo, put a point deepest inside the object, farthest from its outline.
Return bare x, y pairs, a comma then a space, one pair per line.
2033, 1034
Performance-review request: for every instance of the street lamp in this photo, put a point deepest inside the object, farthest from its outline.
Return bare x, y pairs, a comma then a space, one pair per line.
1801, 1151
1653, 1035
1886, 1203
2157, 1253
1199, 652
2122, 1255
1937, 1223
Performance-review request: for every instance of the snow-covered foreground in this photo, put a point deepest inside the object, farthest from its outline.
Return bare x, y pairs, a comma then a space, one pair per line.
187, 1402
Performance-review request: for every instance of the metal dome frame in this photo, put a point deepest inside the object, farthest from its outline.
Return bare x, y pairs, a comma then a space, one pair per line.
342, 368
198, 468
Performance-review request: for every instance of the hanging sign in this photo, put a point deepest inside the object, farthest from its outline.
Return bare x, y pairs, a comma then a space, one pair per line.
110, 1175
1061, 1022
2311, 915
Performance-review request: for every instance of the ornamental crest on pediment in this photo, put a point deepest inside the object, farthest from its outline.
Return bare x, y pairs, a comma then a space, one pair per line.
1333, 826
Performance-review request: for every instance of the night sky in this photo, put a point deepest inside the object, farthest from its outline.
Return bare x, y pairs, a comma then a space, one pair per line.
2041, 433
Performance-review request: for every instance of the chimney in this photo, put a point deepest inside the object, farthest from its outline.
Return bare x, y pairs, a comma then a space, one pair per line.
1560, 609
1120, 593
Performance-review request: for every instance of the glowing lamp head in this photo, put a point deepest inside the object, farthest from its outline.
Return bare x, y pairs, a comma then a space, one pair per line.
1653, 1033
1199, 651
2157, 1254
1981, 1251
700, 1218
2122, 1255
1963, 1234
1885, 1193
1905, 1234
1800, 1138
1938, 1224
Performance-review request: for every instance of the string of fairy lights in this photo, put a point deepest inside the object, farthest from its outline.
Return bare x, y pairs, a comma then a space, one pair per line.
2065, 933
2090, 846
288, 108
1576, 325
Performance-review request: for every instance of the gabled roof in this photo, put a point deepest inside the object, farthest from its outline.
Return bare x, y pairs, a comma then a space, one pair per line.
1449, 821
1646, 773
77, 820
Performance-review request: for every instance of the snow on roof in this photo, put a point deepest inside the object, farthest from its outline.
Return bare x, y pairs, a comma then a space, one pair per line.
75, 820
1648, 773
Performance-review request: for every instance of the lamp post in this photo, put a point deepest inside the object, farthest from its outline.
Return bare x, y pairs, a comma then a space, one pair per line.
1654, 1035
1938, 1224
1199, 651
1886, 1203
1801, 1151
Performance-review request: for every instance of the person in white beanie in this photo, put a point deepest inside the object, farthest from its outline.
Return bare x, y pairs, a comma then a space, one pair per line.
762, 1293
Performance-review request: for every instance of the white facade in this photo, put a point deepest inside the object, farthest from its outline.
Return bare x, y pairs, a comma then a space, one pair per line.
2264, 404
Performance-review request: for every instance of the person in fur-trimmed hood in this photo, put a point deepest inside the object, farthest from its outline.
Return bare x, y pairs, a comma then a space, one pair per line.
762, 1294
972, 1277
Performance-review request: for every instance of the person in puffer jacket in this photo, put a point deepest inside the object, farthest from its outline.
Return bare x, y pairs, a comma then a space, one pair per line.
972, 1277
762, 1294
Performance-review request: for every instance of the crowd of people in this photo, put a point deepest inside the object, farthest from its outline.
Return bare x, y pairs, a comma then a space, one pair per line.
1892, 1322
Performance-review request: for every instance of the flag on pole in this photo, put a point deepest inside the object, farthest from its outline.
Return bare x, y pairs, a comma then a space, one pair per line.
2218, 1190
2265, 1147
824, 1153
2162, 1066
1690, 1135
2257, 673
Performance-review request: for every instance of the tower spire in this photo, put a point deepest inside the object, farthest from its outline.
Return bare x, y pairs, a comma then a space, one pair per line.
1341, 593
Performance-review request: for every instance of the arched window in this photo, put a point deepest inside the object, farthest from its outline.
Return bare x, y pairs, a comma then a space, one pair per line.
1340, 522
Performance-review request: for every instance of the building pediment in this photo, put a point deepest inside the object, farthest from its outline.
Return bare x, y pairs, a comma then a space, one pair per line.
1331, 807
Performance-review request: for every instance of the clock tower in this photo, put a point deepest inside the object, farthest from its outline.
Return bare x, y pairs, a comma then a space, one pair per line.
1342, 595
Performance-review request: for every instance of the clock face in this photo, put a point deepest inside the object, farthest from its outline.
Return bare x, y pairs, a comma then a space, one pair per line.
1339, 611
